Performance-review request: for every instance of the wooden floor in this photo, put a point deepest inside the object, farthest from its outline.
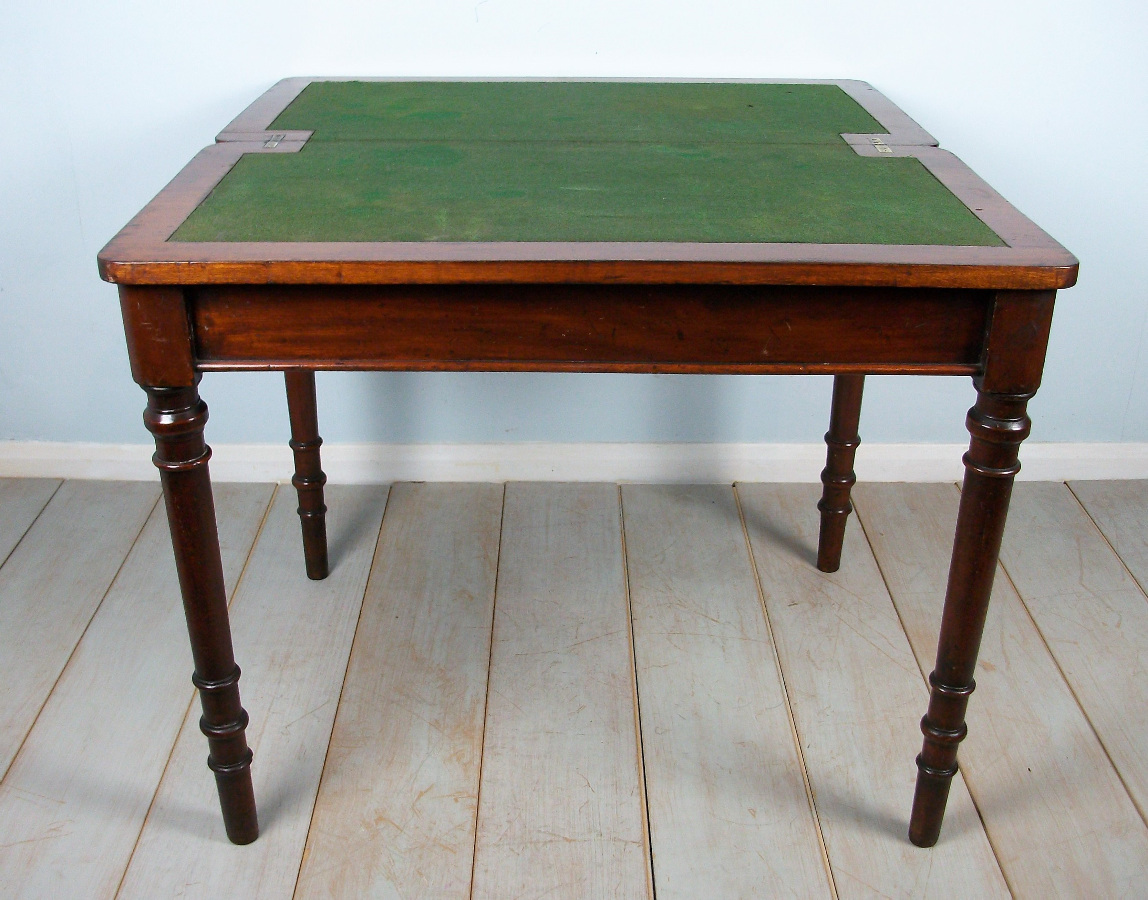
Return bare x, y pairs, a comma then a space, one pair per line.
572, 691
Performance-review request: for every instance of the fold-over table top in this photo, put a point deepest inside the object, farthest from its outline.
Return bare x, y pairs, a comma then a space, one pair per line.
346, 180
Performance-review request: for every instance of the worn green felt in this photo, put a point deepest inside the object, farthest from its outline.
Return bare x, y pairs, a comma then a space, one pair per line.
579, 162
653, 112
419, 191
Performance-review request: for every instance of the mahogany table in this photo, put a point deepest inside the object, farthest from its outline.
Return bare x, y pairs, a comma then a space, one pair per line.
724, 227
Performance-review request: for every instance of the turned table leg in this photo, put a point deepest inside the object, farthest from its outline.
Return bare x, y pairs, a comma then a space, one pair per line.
176, 417
838, 475
998, 424
309, 478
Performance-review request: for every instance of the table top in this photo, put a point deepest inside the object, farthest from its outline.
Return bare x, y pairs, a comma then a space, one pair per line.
392, 181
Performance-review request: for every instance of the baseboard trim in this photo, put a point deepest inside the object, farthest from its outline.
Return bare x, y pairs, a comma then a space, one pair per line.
669, 463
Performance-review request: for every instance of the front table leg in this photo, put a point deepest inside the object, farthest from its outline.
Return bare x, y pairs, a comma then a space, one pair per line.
176, 416
998, 424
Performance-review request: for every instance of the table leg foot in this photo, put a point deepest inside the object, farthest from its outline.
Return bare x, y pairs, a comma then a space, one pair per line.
838, 475
309, 478
176, 417
998, 424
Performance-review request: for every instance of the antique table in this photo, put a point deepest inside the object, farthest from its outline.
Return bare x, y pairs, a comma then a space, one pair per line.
579, 226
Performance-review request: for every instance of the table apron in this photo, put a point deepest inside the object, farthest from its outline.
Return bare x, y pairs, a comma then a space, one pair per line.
626, 328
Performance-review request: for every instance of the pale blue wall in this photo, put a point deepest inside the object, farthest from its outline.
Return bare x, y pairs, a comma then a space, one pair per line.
1046, 100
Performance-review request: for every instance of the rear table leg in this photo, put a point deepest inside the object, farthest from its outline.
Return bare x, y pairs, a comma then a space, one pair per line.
838, 476
309, 478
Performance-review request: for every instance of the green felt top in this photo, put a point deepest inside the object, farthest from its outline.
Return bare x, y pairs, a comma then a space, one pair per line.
647, 112
580, 161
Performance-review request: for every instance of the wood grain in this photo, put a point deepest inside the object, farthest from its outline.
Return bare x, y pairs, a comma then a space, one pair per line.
51, 586
292, 638
1058, 817
729, 815
158, 334
395, 816
74, 800
560, 809
1092, 614
718, 329
857, 697
21, 500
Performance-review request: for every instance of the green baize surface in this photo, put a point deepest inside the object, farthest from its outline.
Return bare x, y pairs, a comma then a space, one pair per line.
580, 161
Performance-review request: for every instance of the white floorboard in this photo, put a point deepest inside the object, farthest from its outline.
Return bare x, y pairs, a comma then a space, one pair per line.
1093, 615
1120, 511
570, 690
51, 586
857, 697
1059, 819
396, 811
292, 640
729, 812
560, 811
73, 803
21, 500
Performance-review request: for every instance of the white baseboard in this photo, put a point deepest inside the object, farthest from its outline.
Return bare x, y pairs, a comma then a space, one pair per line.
689, 463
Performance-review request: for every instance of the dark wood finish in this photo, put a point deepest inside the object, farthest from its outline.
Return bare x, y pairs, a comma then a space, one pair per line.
998, 423
176, 417
590, 328
159, 336
584, 307
1017, 341
838, 476
308, 478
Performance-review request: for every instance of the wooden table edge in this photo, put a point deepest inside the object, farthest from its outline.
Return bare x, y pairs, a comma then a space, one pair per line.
1050, 275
